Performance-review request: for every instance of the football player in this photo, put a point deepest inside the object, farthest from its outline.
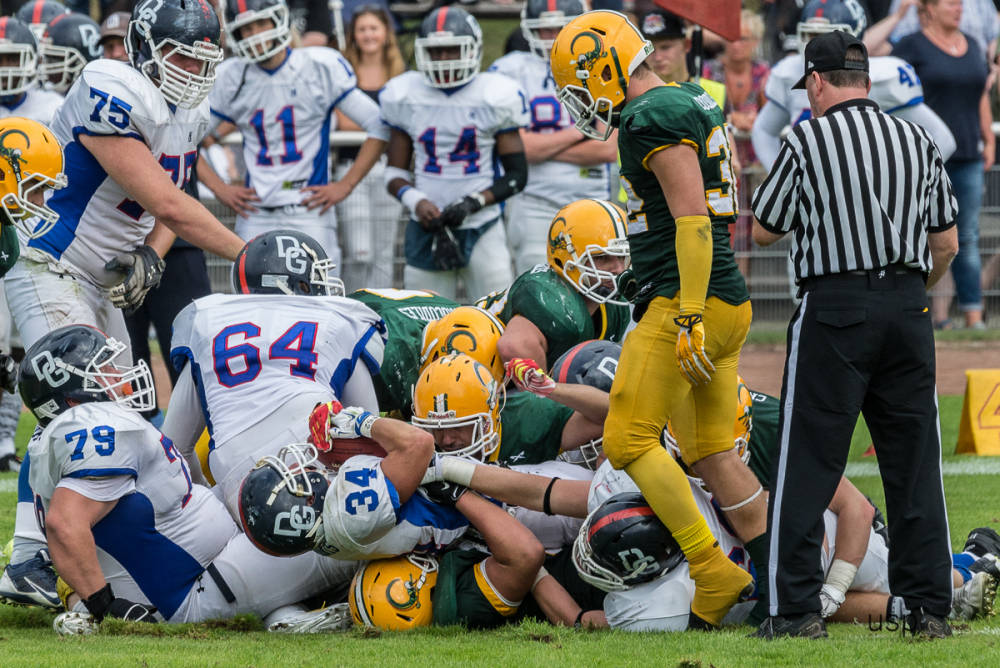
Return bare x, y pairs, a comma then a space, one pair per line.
895, 85
130, 133
453, 123
406, 313
563, 165
574, 297
36, 14
282, 101
69, 42
680, 362
462, 405
258, 362
131, 535
20, 94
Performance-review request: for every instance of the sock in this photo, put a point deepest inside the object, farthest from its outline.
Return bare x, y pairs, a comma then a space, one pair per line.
895, 609
666, 489
961, 562
28, 538
10, 413
759, 549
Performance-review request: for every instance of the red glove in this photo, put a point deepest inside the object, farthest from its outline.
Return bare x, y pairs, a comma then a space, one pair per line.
319, 424
529, 377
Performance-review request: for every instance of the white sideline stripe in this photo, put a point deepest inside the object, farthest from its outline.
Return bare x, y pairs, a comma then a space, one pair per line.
970, 466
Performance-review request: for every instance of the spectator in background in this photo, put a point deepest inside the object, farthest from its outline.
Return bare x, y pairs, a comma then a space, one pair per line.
113, 31
745, 78
979, 21
954, 70
369, 215
310, 20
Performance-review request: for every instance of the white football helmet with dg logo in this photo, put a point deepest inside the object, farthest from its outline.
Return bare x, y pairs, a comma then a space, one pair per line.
454, 392
285, 262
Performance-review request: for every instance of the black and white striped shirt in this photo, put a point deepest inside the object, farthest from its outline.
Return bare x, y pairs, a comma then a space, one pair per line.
858, 189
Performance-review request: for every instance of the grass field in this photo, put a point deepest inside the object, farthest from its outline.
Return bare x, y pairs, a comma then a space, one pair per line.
27, 639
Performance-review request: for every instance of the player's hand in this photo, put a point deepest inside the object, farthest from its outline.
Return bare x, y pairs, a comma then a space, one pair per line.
455, 213
427, 213
443, 492
830, 599
326, 196
352, 422
104, 604
238, 198
142, 269
8, 373
319, 424
445, 250
527, 376
691, 356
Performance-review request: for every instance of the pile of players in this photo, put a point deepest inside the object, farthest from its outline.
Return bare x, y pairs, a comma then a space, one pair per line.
387, 435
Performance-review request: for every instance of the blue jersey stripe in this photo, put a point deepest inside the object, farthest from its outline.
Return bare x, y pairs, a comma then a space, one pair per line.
346, 366
420, 512
321, 163
180, 356
102, 473
162, 569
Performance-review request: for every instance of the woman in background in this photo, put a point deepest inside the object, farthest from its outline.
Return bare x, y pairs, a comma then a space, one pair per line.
369, 216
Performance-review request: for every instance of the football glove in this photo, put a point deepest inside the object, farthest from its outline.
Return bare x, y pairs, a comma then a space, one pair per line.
8, 373
104, 604
443, 492
142, 269
830, 599
352, 422
691, 357
319, 424
455, 213
446, 251
528, 377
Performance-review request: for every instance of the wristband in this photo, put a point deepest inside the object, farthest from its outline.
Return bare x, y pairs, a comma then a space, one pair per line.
411, 198
578, 624
457, 470
480, 199
365, 424
546, 507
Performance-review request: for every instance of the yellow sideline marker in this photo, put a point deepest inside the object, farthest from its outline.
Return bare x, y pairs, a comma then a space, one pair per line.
979, 429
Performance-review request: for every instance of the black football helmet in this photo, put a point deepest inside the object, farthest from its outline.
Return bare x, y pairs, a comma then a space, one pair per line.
77, 364
623, 543
449, 28
285, 262
281, 501
69, 43
537, 15
162, 28
36, 14
589, 363
258, 48
16, 39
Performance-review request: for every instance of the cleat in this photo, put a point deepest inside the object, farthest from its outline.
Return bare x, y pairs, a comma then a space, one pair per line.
926, 625
332, 618
974, 598
982, 541
988, 564
808, 625
31, 582
74, 624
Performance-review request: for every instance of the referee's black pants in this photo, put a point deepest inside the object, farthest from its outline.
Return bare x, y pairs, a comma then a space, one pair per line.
860, 341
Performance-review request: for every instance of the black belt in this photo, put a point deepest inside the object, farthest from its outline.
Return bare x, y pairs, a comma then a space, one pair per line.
882, 278
217, 578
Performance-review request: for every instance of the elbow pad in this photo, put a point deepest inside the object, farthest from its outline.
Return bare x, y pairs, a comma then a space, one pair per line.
694, 250
515, 175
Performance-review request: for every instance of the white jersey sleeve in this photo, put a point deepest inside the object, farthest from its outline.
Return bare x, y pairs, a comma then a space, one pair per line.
37, 104
895, 84
785, 73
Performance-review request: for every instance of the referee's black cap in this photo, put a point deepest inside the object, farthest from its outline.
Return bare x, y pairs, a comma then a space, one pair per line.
825, 53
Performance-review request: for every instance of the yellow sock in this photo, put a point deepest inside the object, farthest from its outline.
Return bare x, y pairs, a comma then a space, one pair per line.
666, 488
64, 591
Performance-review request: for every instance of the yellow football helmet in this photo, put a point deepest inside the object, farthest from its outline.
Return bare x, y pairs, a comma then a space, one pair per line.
457, 391
592, 59
469, 330
582, 231
742, 427
394, 594
31, 162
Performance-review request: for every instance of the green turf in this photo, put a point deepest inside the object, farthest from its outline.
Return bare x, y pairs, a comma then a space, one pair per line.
26, 638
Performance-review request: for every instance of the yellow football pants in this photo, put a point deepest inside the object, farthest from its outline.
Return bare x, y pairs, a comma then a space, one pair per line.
649, 388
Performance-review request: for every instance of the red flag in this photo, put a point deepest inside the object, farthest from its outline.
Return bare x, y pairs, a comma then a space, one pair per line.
719, 16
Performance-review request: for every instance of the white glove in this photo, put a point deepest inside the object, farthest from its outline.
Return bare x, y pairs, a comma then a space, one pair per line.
830, 599
352, 422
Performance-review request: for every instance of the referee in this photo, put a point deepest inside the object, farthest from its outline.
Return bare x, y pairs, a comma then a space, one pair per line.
871, 211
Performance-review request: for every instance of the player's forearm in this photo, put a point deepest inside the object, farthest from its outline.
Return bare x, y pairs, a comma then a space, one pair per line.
589, 153
74, 553
208, 176
876, 38
944, 248
566, 497
508, 540
369, 153
588, 401
854, 521
160, 239
544, 146
190, 220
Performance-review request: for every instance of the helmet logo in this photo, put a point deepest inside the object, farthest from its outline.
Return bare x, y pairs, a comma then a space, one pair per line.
450, 346
13, 155
295, 257
149, 11
300, 519
410, 588
89, 37
608, 366
635, 561
587, 54
48, 370
441, 403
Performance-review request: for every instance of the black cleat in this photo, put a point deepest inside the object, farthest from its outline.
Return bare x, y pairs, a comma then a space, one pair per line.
982, 541
924, 624
807, 625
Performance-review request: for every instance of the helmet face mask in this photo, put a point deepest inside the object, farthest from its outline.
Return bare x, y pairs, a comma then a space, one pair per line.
263, 44
18, 58
449, 47
31, 162
164, 32
69, 43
